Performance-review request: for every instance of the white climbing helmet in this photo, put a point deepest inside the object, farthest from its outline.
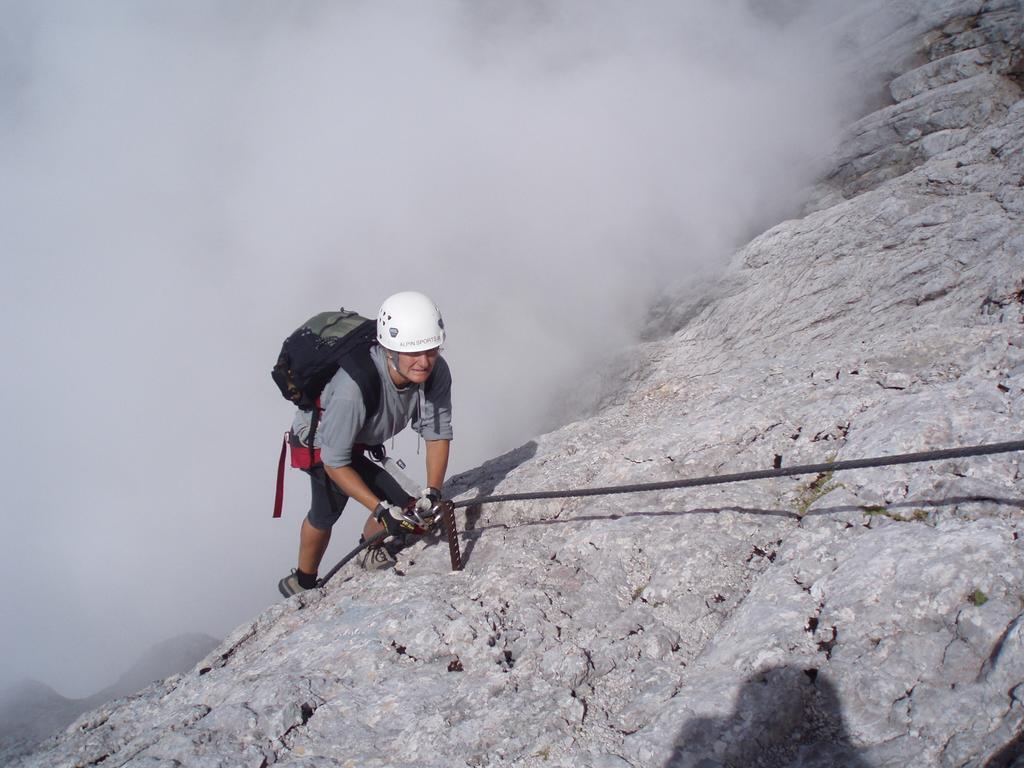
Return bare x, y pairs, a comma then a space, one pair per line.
409, 322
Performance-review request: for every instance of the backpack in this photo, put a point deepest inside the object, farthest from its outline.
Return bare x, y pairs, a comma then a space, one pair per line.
314, 352
309, 358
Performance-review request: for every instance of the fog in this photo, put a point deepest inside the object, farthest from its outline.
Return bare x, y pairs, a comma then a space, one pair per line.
183, 183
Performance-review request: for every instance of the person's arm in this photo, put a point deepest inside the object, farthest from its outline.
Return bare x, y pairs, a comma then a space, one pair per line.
437, 462
352, 485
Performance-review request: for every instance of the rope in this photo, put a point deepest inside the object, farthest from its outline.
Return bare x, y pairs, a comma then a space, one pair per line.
806, 469
362, 545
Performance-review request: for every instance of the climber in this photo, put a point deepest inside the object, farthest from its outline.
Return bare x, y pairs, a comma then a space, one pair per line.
414, 384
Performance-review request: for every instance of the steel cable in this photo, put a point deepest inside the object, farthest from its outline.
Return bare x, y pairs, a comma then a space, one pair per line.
760, 474
694, 482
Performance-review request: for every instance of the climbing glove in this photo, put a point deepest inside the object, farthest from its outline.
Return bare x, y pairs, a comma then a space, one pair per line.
428, 500
397, 520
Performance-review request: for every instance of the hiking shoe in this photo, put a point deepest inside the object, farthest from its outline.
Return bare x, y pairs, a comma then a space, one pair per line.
395, 544
289, 585
377, 559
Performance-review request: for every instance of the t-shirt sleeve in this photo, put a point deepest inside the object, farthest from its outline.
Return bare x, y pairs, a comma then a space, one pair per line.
343, 417
433, 419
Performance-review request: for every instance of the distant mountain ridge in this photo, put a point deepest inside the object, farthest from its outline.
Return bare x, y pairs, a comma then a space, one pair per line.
30, 711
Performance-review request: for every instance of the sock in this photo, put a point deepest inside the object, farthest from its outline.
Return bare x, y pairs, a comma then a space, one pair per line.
306, 580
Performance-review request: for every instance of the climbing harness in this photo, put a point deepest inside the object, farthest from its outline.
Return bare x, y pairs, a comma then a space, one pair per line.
448, 513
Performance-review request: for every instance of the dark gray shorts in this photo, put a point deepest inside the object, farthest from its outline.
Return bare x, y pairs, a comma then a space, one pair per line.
329, 500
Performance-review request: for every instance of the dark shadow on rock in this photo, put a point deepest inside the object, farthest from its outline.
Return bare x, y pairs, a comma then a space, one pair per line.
913, 504
472, 530
951, 501
783, 716
1010, 756
583, 519
484, 480
655, 513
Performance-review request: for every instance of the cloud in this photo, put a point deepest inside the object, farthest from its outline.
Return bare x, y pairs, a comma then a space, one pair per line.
184, 183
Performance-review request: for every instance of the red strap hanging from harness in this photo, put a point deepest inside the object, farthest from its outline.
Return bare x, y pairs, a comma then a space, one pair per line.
306, 457
279, 496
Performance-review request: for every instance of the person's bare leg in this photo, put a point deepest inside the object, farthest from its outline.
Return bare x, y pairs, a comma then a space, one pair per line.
312, 545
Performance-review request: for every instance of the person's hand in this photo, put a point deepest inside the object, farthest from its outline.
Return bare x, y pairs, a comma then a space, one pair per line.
396, 520
428, 499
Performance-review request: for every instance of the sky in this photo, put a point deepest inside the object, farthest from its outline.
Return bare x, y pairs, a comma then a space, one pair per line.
184, 183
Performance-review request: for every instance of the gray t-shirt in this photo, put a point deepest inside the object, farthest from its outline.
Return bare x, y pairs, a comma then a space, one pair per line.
344, 423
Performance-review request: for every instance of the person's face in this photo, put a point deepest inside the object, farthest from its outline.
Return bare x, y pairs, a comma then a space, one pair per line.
417, 366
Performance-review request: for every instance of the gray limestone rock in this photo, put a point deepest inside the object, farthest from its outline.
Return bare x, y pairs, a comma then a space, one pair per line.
888, 143
864, 618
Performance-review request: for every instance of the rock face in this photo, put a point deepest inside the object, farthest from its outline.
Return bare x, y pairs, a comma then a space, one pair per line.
870, 618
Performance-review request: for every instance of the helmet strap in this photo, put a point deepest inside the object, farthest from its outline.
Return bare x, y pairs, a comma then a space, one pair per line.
393, 362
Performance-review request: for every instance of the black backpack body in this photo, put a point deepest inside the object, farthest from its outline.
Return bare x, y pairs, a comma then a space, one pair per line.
315, 351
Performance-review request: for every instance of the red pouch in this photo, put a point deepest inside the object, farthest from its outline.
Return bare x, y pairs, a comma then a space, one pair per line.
302, 458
